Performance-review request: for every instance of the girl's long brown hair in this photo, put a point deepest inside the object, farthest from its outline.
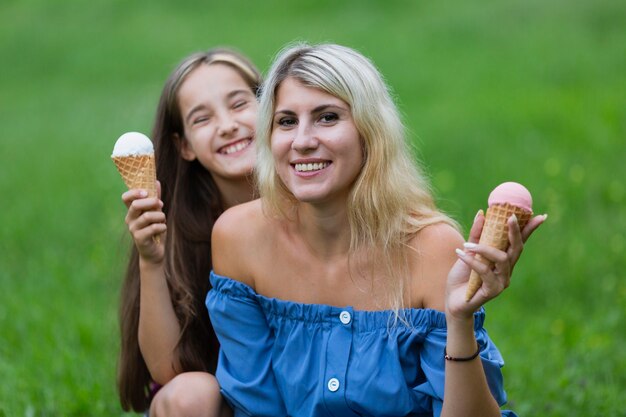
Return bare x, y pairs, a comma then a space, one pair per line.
192, 203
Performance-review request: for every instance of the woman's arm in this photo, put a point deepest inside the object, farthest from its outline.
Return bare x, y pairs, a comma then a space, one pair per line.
159, 329
466, 388
245, 370
467, 392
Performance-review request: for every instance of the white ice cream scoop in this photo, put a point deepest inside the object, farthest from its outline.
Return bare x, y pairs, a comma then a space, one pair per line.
132, 143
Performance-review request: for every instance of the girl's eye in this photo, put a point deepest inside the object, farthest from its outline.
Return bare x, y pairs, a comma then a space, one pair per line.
239, 104
329, 117
200, 119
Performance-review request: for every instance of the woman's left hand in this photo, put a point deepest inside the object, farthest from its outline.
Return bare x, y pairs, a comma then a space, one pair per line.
496, 277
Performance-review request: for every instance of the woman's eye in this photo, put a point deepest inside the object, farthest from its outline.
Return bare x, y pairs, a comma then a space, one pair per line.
286, 121
328, 117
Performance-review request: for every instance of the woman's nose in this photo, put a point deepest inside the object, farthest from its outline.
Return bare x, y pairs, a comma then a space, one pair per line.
305, 139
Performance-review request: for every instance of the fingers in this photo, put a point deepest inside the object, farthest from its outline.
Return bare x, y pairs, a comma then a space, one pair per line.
494, 281
532, 225
145, 217
144, 236
131, 195
138, 206
516, 243
137, 200
493, 265
492, 259
147, 220
517, 238
145, 228
145, 211
477, 227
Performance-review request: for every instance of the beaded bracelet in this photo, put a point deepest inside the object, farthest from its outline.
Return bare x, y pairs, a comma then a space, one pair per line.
469, 358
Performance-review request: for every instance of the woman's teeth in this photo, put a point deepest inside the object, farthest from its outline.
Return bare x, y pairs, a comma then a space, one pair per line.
236, 147
311, 167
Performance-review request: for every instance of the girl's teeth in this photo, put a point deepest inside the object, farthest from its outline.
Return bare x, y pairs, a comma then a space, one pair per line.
311, 167
236, 147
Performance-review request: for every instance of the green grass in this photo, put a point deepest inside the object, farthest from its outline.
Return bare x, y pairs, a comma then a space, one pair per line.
529, 91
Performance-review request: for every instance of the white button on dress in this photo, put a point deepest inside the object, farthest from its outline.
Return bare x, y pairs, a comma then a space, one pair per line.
345, 317
333, 384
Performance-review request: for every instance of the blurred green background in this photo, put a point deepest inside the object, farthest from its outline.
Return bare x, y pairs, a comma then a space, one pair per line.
531, 91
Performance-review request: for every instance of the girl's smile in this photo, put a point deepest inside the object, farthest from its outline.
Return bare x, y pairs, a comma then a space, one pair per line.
235, 148
219, 114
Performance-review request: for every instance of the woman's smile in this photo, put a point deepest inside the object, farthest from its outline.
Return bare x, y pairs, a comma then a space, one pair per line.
315, 143
311, 167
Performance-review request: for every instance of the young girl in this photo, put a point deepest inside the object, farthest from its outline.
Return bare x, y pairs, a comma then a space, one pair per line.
341, 291
204, 149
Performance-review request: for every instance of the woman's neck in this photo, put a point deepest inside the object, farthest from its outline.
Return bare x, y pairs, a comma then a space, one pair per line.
324, 228
235, 192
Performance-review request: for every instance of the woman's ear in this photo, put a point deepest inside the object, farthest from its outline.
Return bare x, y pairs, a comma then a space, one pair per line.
185, 149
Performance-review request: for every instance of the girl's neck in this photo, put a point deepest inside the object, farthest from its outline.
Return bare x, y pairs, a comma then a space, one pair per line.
235, 192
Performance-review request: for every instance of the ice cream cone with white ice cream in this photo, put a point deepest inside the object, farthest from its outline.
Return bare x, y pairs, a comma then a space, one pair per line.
133, 155
507, 199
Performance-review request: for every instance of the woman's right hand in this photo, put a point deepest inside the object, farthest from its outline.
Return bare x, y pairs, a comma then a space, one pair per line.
146, 223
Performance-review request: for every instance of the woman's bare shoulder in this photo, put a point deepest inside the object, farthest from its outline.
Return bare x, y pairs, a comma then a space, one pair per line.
236, 239
434, 248
239, 216
438, 236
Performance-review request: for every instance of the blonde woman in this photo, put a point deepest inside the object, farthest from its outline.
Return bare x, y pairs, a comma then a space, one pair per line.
338, 291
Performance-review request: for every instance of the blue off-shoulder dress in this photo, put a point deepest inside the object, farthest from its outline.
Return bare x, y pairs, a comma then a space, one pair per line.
280, 358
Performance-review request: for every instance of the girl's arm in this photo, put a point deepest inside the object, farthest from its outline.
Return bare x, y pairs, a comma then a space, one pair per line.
159, 329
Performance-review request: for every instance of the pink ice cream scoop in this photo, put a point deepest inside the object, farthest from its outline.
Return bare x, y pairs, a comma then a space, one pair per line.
507, 199
512, 193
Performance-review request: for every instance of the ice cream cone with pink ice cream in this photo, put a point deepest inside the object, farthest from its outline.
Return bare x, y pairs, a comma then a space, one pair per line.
507, 199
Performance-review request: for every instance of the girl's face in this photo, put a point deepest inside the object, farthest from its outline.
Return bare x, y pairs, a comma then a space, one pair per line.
218, 110
315, 143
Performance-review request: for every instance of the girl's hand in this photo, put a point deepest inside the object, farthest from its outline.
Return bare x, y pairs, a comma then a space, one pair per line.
496, 278
146, 220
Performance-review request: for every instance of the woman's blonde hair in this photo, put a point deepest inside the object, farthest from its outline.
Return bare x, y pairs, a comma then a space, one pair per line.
391, 198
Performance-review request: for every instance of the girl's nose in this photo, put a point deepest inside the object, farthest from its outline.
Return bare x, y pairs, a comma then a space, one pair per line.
228, 125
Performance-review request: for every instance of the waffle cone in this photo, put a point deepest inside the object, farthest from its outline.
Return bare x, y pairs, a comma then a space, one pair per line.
496, 234
138, 171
